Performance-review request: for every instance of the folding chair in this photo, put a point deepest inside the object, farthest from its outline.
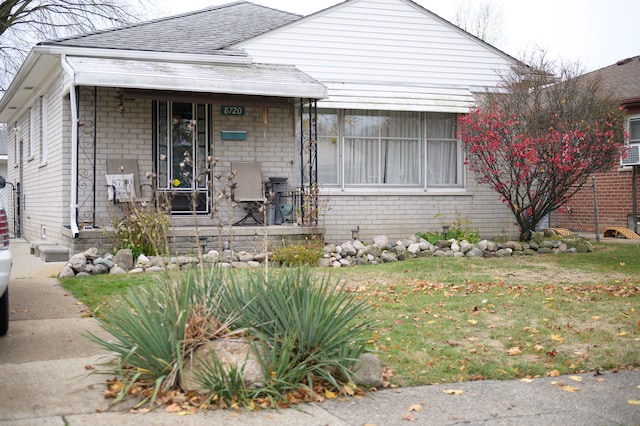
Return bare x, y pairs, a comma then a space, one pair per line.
122, 181
248, 189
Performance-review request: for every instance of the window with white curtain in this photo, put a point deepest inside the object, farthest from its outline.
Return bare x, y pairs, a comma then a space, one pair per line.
442, 150
388, 148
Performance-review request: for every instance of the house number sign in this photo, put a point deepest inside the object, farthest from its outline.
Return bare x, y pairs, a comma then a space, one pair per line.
231, 110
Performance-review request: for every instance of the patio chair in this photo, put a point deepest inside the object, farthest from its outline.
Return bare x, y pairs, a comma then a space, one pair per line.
123, 183
248, 189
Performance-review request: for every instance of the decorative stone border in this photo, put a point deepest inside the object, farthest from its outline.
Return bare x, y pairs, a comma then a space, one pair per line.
349, 253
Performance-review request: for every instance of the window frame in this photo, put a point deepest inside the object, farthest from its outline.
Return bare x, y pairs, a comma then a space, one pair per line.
629, 119
423, 185
44, 129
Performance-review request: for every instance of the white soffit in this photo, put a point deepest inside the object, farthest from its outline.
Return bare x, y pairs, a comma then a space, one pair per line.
398, 97
253, 79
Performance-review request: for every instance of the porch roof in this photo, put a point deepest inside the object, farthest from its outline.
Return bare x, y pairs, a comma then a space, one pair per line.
243, 79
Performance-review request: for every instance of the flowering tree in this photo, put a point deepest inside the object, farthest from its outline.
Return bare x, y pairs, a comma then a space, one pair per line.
539, 140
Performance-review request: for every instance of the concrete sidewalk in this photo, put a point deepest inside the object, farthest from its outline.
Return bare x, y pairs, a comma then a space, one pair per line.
45, 363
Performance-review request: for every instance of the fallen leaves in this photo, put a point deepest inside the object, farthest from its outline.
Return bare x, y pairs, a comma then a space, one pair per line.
513, 351
453, 391
387, 374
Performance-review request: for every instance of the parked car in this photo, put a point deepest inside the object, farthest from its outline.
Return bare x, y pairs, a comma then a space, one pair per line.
5, 266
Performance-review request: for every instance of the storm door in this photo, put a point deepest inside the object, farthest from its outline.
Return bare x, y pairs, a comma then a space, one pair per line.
181, 155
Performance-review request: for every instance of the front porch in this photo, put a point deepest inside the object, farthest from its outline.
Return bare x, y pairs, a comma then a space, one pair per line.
191, 239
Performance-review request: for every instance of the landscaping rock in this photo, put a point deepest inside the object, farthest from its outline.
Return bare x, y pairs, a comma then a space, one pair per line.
367, 371
116, 270
388, 257
105, 262
78, 262
347, 254
475, 252
124, 259
232, 353
66, 272
381, 241
99, 269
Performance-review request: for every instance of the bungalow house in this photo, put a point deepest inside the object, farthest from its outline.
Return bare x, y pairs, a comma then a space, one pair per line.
614, 190
352, 111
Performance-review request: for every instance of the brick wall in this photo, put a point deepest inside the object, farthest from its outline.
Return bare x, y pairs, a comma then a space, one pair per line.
271, 141
614, 199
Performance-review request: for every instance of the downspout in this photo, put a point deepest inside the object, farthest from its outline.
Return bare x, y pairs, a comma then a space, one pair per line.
73, 205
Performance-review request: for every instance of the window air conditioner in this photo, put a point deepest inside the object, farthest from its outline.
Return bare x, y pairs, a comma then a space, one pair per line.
633, 155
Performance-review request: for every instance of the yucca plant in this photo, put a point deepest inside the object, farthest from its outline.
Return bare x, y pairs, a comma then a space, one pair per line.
323, 328
157, 324
224, 382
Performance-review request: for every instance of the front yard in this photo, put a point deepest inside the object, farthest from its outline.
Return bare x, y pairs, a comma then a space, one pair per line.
445, 319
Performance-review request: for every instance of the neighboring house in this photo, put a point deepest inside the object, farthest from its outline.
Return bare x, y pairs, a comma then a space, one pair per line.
7, 192
614, 188
378, 83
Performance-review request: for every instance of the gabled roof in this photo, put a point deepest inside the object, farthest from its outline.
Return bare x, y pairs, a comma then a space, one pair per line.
201, 32
622, 79
197, 40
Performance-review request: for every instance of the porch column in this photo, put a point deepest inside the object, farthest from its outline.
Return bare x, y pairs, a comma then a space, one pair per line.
309, 161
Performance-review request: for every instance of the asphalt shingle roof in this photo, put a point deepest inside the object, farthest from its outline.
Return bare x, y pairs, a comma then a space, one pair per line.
204, 32
622, 78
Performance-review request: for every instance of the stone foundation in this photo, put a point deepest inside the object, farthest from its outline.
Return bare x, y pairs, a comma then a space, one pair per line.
188, 240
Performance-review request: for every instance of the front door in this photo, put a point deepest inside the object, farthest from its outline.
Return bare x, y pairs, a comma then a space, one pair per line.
181, 155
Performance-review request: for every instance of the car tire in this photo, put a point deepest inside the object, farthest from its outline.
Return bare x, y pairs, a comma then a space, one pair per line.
4, 313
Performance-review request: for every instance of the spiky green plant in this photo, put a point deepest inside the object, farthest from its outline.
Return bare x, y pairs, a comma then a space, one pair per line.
322, 327
153, 327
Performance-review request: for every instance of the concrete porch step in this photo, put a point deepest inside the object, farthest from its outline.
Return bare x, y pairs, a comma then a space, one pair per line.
35, 245
54, 253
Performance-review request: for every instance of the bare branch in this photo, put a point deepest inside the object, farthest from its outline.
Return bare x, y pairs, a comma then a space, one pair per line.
24, 23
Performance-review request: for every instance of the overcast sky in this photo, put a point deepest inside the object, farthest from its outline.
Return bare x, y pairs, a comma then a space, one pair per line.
595, 32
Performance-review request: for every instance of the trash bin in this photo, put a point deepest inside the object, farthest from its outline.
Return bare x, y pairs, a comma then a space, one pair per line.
278, 186
271, 211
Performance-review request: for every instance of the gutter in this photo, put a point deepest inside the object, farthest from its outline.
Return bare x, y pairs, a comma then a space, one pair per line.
73, 206
226, 57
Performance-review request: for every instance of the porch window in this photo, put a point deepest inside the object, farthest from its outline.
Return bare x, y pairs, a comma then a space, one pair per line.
182, 148
388, 148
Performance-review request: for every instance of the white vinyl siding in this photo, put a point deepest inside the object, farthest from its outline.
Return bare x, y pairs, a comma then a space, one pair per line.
368, 51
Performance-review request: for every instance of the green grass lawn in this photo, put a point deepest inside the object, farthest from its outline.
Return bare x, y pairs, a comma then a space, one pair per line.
453, 319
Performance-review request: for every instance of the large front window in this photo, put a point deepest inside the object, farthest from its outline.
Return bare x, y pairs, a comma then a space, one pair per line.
387, 148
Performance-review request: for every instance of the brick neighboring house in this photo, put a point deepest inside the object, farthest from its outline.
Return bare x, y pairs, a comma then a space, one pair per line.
384, 80
614, 188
